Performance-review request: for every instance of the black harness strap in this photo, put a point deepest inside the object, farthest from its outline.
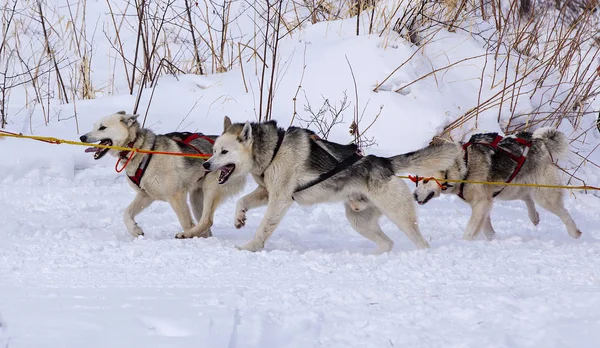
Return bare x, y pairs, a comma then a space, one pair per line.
343, 165
494, 144
461, 187
346, 163
139, 173
280, 136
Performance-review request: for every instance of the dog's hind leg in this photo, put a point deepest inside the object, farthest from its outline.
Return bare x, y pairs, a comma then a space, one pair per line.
480, 211
488, 229
533, 214
140, 202
257, 198
552, 200
395, 201
179, 204
364, 221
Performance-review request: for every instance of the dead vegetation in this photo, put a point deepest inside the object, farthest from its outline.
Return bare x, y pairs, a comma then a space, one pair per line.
540, 55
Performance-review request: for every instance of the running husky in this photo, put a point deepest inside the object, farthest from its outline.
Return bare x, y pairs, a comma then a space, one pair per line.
163, 177
521, 158
295, 165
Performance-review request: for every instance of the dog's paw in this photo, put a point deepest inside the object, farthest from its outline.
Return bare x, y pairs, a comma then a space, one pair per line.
251, 246
535, 219
423, 245
575, 234
136, 231
240, 219
384, 247
379, 251
490, 236
184, 235
188, 234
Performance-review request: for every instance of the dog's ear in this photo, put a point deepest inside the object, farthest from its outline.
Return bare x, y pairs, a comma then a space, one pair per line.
129, 120
226, 123
122, 112
246, 133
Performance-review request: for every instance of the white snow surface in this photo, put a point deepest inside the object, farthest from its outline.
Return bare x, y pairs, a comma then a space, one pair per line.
71, 276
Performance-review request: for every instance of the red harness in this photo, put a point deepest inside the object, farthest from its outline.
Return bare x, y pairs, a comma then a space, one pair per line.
520, 160
181, 138
189, 137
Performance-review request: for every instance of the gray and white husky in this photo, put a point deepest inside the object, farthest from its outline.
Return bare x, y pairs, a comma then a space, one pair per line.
294, 165
489, 157
163, 177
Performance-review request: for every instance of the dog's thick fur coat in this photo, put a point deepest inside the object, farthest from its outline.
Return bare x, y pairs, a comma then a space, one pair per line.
282, 161
485, 163
167, 178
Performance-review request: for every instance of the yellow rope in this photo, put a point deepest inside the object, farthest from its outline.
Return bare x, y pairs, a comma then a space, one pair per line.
500, 183
79, 143
120, 148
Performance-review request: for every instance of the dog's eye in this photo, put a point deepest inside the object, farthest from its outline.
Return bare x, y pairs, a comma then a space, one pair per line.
102, 128
224, 152
425, 181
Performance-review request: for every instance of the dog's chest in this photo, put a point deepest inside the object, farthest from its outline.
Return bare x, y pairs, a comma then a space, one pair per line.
151, 184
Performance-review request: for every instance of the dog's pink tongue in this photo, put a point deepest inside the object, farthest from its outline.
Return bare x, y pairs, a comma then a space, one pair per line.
91, 149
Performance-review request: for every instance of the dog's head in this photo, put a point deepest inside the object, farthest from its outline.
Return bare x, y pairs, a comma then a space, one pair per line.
426, 190
117, 129
232, 152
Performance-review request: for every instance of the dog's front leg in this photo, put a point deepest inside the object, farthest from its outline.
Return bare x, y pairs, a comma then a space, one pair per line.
141, 201
480, 210
257, 198
179, 204
275, 210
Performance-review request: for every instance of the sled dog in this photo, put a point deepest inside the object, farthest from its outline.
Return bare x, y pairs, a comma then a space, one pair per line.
295, 165
520, 158
163, 177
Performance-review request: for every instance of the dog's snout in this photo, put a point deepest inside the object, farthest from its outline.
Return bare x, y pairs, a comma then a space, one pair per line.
206, 165
83, 138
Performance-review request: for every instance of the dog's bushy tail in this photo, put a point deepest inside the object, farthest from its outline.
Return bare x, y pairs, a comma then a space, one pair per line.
556, 141
428, 160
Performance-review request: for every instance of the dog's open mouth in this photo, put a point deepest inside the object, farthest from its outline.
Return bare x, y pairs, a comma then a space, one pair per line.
99, 151
226, 172
427, 199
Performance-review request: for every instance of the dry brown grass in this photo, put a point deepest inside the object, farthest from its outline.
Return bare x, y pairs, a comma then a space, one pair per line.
550, 43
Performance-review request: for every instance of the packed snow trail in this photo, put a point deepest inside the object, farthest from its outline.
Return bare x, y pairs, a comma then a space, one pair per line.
70, 276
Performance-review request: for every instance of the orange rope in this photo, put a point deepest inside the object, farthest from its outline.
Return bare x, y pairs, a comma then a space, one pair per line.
416, 180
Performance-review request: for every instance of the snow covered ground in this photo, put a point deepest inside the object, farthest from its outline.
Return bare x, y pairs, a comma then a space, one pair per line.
71, 276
